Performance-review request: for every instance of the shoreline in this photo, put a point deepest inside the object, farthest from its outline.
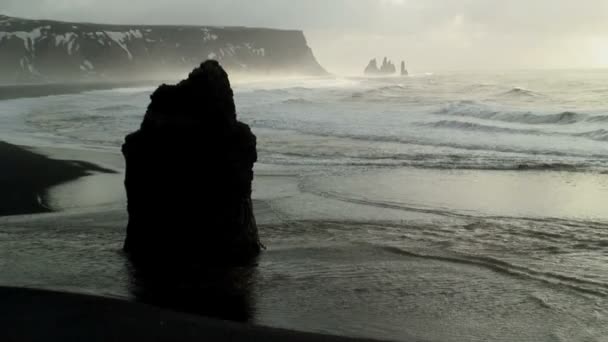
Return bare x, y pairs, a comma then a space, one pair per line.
20, 91
27, 176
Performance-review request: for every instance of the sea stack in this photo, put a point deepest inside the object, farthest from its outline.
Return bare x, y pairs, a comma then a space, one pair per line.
404, 71
387, 68
372, 68
189, 170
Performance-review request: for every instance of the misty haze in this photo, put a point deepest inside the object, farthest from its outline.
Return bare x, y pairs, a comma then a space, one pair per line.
300, 170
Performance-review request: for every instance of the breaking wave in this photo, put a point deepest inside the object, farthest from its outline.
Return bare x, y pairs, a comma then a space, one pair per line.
470, 126
521, 92
378, 93
297, 101
581, 285
118, 108
598, 135
480, 111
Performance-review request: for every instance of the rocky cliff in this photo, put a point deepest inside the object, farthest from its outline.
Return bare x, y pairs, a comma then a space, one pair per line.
53, 51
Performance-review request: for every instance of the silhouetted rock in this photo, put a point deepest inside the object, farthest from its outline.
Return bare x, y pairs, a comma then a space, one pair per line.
189, 174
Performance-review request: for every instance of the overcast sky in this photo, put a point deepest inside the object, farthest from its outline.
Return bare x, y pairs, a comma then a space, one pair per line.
430, 34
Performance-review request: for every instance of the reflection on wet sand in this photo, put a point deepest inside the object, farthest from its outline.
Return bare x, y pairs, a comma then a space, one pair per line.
222, 293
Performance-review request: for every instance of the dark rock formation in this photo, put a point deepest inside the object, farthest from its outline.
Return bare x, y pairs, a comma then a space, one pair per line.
372, 68
189, 174
404, 71
387, 68
53, 51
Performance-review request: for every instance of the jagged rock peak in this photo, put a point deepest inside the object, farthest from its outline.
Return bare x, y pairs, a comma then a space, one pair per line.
387, 67
372, 67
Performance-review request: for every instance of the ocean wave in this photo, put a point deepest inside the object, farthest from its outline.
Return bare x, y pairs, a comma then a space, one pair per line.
520, 92
599, 135
480, 111
466, 147
597, 118
298, 100
117, 108
378, 93
497, 265
470, 126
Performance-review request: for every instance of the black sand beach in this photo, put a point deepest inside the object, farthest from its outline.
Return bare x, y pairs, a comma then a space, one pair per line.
36, 315
26, 175
64, 316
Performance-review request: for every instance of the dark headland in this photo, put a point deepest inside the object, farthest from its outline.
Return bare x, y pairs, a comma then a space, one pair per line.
47, 51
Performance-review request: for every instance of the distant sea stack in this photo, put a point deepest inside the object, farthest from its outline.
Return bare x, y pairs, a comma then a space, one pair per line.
404, 71
39, 51
387, 68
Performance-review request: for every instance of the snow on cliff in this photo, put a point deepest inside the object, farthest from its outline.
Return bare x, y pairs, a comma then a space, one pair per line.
42, 50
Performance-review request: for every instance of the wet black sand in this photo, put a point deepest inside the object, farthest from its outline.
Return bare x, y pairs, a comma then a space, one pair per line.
36, 315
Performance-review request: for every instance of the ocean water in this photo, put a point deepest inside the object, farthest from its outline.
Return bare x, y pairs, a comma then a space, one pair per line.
440, 207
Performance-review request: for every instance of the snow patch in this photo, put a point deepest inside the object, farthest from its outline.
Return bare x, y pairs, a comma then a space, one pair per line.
68, 39
72, 45
25, 63
88, 64
63, 38
121, 39
212, 56
29, 38
136, 34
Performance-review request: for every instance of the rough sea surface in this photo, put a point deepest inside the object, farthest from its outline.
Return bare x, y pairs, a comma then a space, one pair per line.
440, 207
